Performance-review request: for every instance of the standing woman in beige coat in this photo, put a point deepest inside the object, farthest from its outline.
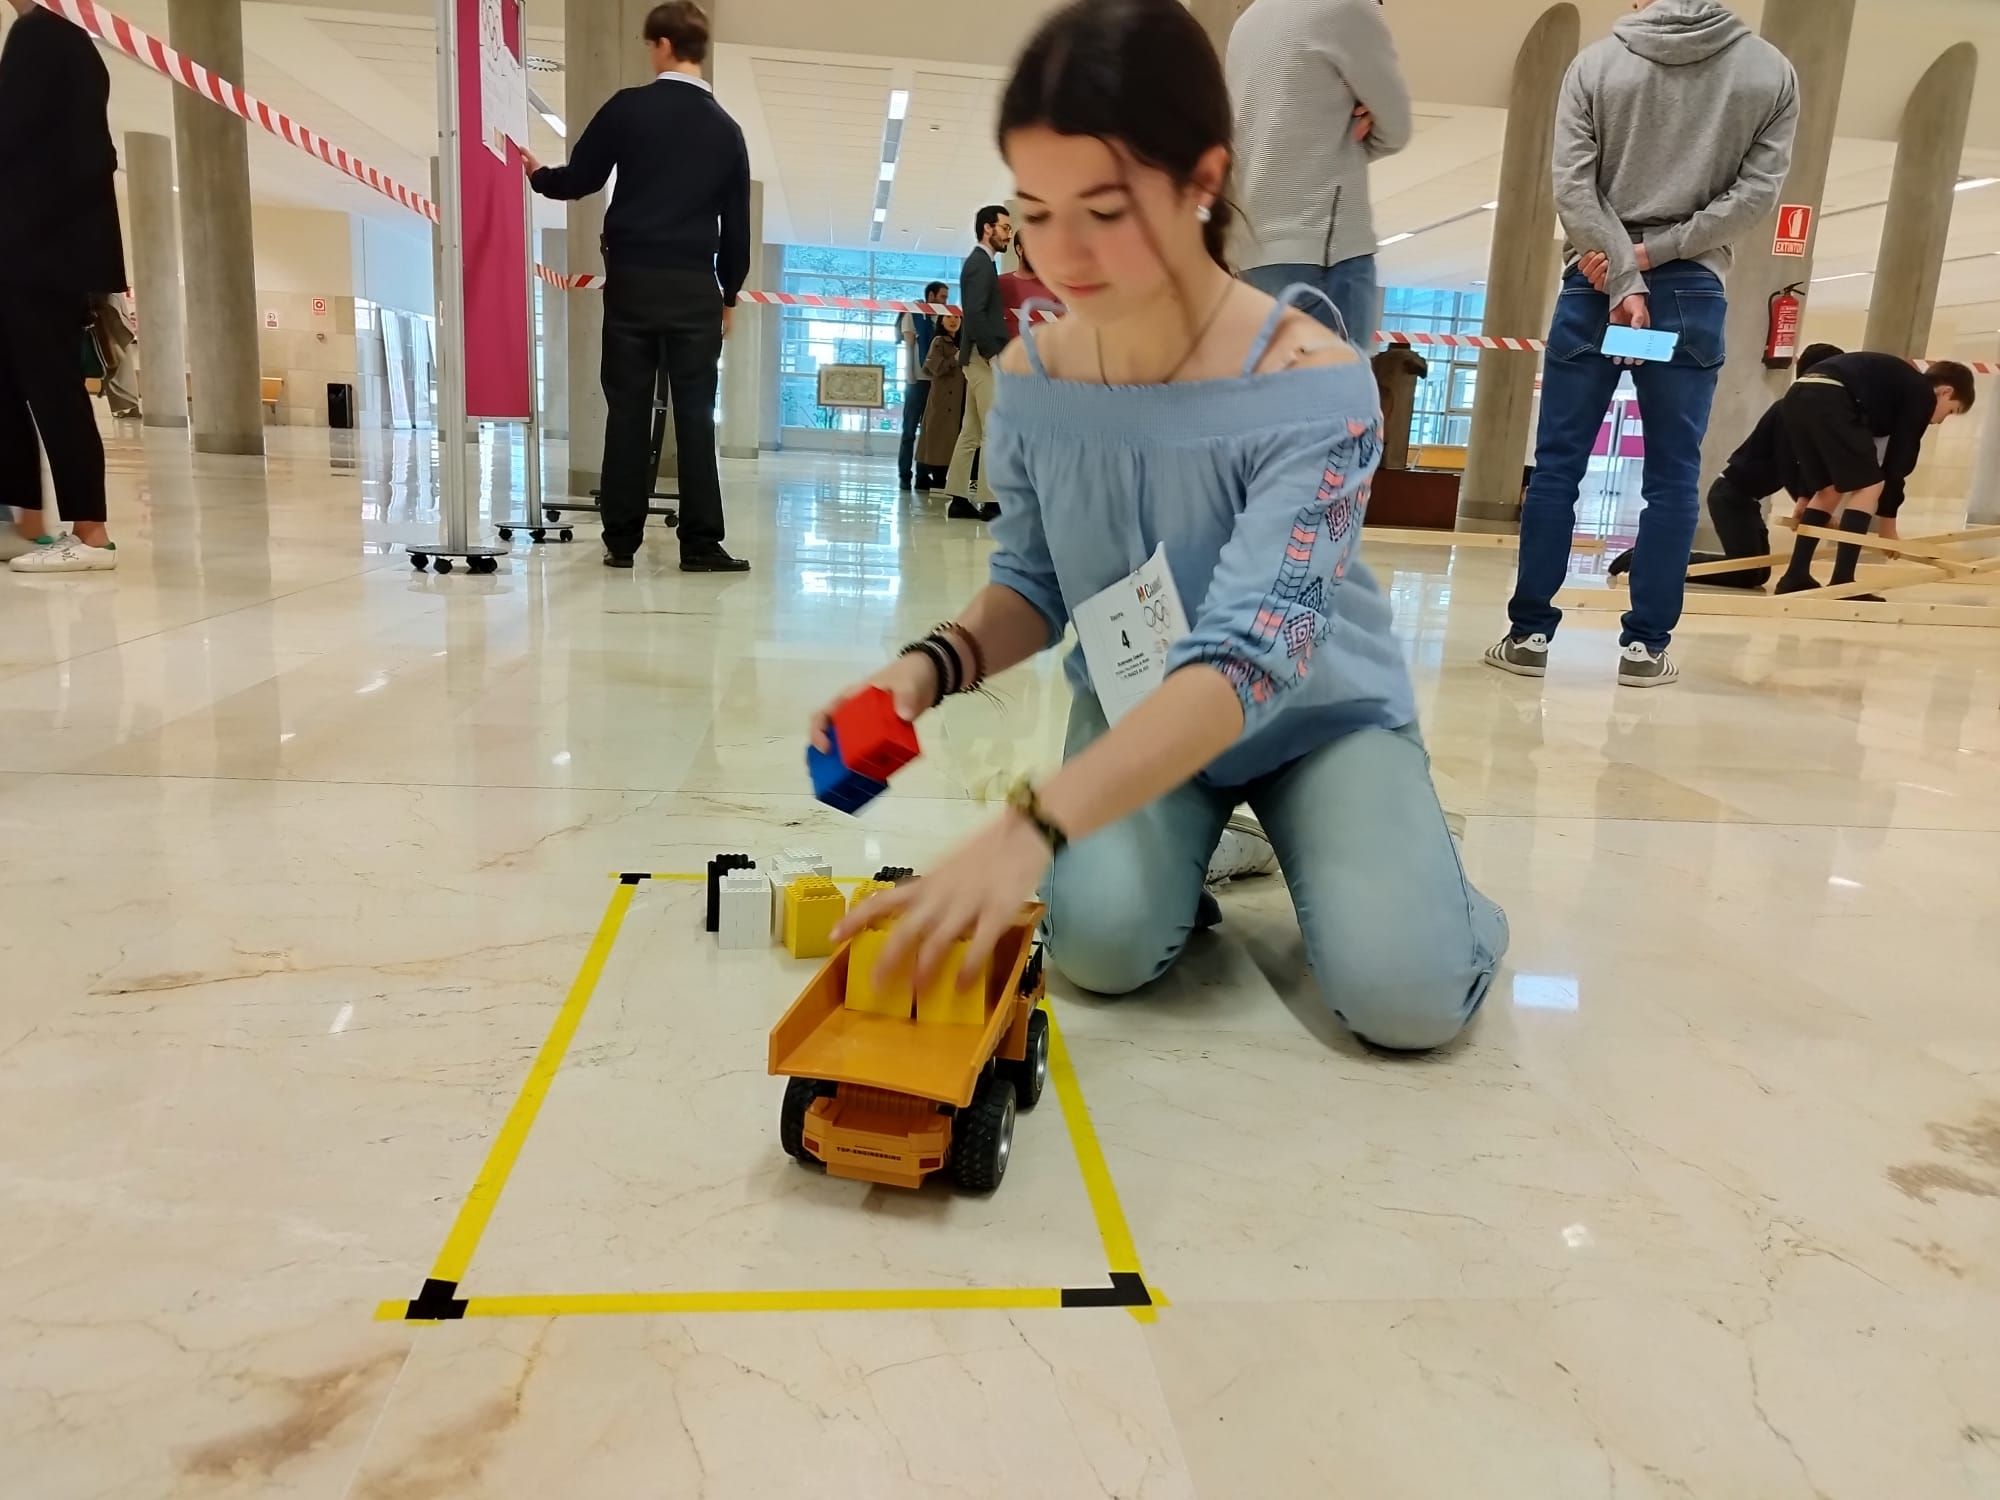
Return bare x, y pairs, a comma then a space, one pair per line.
945, 413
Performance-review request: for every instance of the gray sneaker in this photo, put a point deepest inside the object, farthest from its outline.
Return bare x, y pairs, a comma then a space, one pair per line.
1638, 667
1524, 656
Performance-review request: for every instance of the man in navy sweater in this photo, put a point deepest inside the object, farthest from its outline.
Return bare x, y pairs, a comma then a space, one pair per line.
676, 250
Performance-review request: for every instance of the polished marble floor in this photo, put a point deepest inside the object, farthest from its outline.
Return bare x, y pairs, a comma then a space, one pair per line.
301, 852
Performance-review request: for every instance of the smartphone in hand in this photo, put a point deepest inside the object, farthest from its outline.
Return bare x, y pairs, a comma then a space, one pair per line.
1652, 344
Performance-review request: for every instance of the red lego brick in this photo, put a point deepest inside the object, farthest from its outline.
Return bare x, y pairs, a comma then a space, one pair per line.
875, 740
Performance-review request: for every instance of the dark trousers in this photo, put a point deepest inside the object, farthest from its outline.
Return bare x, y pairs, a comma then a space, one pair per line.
1738, 518
660, 323
916, 396
41, 392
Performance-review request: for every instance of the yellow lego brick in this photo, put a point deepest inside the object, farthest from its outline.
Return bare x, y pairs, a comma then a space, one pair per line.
943, 1002
863, 889
896, 998
813, 908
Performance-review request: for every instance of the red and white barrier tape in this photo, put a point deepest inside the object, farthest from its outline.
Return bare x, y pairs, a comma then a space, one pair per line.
148, 50
142, 47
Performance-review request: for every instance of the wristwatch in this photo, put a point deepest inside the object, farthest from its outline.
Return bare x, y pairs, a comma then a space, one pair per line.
1023, 799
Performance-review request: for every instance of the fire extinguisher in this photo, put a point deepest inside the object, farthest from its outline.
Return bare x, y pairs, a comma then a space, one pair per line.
1787, 311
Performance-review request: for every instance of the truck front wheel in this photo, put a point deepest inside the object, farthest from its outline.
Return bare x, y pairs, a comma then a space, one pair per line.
982, 1137
799, 1096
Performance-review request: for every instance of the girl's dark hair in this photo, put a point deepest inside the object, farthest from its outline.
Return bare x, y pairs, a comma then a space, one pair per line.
1135, 73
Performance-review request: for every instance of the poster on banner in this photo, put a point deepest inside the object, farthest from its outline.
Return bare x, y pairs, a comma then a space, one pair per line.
503, 83
499, 364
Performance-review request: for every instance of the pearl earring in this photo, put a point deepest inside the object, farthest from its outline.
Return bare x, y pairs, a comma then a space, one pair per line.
1204, 213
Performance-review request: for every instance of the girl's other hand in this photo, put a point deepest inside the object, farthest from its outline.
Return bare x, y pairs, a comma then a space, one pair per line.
975, 892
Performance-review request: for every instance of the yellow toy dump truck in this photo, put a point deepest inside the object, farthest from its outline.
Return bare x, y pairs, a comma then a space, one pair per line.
890, 1085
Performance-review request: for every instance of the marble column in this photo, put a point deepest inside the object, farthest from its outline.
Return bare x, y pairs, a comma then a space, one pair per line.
555, 336
156, 279
1814, 34
1983, 509
1520, 285
603, 52
770, 354
742, 355
217, 242
1921, 197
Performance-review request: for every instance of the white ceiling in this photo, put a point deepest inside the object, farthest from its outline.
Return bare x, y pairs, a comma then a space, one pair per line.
814, 118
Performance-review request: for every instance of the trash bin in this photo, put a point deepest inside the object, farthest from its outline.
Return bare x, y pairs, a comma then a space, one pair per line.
339, 405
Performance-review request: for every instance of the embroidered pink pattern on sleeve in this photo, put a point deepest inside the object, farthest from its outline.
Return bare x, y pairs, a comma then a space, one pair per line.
1295, 610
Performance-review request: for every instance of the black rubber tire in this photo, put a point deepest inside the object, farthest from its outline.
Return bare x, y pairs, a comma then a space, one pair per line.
567, 535
419, 561
799, 1096
552, 515
982, 1137
506, 533
443, 565
1031, 1074
486, 565
538, 535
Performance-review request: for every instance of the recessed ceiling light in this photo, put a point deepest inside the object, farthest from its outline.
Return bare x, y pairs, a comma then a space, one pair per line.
1968, 184
888, 171
1491, 207
899, 104
1850, 276
1394, 239
555, 123
881, 216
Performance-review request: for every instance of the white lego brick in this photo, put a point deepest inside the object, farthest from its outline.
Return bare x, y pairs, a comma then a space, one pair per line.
744, 903
790, 865
812, 859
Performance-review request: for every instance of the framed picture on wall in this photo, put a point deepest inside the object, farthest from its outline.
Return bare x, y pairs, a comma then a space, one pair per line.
858, 386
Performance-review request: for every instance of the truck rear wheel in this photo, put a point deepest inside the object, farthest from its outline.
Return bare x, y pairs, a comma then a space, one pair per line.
982, 1137
799, 1096
1031, 1073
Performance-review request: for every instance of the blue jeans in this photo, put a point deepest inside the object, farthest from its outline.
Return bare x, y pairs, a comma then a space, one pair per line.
916, 396
1402, 946
1674, 399
1350, 286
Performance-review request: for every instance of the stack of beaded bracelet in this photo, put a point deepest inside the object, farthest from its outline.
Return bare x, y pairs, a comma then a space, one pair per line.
951, 674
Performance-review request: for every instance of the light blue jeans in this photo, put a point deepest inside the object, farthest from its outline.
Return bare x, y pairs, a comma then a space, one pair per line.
1351, 286
1401, 944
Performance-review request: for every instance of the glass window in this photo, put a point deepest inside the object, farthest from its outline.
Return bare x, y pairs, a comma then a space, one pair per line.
813, 336
1444, 397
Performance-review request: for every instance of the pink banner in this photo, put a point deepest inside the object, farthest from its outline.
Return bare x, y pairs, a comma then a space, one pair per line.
494, 234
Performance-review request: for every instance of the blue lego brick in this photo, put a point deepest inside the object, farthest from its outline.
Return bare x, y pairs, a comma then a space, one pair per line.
835, 785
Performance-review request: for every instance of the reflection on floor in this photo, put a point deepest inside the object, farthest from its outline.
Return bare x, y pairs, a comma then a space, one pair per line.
300, 852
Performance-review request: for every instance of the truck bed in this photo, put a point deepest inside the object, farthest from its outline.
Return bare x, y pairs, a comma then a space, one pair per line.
819, 1037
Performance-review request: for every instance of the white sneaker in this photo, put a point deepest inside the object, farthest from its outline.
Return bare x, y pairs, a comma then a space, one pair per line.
67, 555
13, 544
1638, 667
1244, 853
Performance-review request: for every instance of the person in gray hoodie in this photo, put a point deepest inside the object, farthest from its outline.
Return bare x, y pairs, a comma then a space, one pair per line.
1318, 95
1673, 138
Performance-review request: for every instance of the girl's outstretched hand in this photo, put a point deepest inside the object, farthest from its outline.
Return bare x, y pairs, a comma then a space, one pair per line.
976, 891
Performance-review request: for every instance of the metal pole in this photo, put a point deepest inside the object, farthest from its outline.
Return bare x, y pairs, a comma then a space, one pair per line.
453, 494
533, 433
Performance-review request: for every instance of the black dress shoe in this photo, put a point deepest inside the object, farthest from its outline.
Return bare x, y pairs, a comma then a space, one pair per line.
989, 510
717, 561
962, 509
613, 560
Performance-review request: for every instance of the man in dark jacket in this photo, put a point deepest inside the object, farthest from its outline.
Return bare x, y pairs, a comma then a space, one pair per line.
983, 337
59, 245
676, 250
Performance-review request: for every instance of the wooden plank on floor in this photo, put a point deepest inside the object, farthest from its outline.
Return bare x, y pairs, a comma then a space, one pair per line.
1404, 536
1748, 605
